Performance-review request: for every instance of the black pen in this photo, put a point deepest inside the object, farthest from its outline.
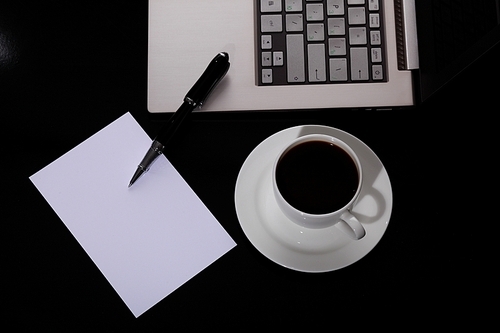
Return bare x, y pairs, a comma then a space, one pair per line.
195, 98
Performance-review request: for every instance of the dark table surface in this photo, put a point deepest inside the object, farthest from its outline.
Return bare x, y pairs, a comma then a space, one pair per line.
68, 68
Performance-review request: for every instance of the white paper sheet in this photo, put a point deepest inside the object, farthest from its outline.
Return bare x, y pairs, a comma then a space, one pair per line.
147, 240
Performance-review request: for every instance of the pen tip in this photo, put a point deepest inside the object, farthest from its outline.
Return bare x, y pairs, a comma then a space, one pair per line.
138, 173
132, 181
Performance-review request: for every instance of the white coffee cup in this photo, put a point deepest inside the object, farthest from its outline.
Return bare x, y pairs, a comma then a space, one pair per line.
309, 157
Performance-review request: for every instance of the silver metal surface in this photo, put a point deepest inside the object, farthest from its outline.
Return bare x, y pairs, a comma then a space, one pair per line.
406, 25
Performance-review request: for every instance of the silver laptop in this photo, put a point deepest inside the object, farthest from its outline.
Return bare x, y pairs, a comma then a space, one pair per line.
313, 54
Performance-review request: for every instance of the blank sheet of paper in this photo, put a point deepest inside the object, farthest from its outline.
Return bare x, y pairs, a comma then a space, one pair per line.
147, 240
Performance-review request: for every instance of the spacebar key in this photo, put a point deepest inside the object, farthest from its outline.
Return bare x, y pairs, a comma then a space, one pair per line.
295, 58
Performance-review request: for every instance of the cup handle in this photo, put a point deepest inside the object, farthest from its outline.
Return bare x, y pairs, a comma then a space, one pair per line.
350, 225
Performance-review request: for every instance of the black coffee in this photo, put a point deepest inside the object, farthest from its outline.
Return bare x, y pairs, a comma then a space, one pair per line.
317, 177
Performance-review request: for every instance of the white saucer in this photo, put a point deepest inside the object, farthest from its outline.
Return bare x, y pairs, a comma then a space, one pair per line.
295, 247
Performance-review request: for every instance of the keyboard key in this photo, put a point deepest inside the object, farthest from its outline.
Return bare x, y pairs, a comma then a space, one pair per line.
314, 12
271, 23
373, 5
293, 5
357, 36
359, 64
336, 47
266, 42
316, 62
278, 58
295, 58
294, 22
375, 38
356, 15
355, 2
267, 75
336, 26
376, 54
267, 59
338, 69
316, 32
270, 6
374, 21
335, 7
377, 72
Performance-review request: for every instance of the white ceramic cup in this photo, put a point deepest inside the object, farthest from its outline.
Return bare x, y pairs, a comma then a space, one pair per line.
341, 218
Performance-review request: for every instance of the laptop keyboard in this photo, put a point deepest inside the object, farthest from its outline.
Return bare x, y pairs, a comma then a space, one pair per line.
320, 42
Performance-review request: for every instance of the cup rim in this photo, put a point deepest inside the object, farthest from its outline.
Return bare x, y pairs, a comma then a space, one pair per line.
345, 147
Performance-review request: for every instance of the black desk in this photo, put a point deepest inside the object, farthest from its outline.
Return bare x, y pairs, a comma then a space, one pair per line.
75, 67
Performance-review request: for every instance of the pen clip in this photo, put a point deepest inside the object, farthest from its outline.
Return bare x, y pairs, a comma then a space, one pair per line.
207, 82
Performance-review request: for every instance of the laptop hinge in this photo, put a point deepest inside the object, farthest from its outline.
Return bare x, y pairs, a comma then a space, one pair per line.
406, 34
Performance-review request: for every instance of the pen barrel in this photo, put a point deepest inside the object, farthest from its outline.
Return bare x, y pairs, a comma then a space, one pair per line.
172, 125
207, 82
152, 154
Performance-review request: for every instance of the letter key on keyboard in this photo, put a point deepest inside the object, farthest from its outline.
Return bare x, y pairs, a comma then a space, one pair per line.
320, 42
